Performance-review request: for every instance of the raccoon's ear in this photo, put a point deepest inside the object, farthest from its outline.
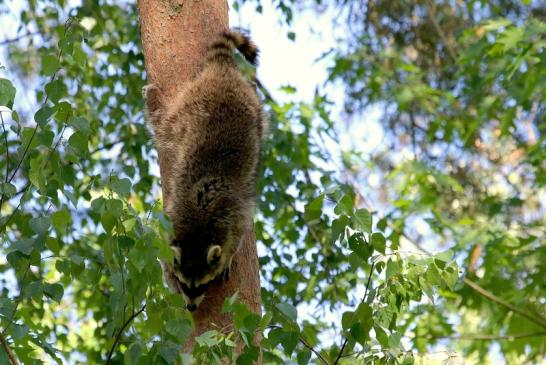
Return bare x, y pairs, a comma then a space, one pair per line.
214, 254
177, 253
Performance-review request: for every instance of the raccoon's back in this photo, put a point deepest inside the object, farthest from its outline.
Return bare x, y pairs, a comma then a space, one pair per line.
223, 118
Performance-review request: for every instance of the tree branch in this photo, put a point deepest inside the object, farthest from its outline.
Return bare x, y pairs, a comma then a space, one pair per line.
482, 337
120, 332
363, 298
9, 351
18, 38
537, 319
310, 348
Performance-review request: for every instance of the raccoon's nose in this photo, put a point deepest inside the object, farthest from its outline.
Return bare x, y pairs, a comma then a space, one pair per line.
191, 307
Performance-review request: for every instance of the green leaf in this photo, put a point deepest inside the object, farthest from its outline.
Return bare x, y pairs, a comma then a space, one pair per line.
63, 112
18, 331
180, 329
345, 205
33, 290
55, 90
450, 277
54, 291
288, 310
114, 207
378, 242
132, 354
7, 189
381, 336
446, 256
169, 351
291, 36
42, 116
7, 93
40, 225
347, 320
289, 341
363, 220
393, 268
208, 339
80, 124
338, 227
24, 245
18, 261
313, 210
36, 173
61, 220
50, 64
303, 357
248, 356
122, 187
78, 140
394, 340
108, 221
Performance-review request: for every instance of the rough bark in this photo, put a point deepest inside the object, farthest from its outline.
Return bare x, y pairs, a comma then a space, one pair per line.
175, 34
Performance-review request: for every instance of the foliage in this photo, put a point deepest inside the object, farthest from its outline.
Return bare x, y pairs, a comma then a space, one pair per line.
346, 270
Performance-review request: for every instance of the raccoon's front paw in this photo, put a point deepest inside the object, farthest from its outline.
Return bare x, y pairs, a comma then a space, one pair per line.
149, 90
153, 96
224, 275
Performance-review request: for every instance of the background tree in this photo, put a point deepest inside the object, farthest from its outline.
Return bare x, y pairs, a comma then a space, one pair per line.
345, 231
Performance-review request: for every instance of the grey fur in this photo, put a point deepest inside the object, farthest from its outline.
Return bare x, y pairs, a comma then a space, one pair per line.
210, 136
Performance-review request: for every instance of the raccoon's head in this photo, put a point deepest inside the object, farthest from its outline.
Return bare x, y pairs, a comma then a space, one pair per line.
195, 270
209, 223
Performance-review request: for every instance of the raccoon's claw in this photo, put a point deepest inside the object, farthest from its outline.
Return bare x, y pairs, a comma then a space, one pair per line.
224, 275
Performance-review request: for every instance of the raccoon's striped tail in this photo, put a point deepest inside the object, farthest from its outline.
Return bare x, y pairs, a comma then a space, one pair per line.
221, 50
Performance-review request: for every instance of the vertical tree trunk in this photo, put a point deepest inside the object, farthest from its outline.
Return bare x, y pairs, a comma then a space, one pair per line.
175, 34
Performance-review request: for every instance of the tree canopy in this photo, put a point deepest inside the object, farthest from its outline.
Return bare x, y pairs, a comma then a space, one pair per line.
429, 248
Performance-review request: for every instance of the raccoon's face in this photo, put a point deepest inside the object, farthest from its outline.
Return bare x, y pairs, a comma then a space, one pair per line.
195, 269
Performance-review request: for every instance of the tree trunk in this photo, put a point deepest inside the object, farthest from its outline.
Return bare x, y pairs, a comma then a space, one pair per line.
175, 34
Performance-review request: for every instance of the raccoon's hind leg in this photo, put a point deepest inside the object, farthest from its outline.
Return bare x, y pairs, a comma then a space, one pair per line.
154, 101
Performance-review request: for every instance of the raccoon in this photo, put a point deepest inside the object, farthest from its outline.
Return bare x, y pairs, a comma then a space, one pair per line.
211, 136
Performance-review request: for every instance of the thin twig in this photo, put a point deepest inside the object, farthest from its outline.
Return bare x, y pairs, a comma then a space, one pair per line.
481, 337
106, 146
18, 38
538, 319
9, 351
310, 348
7, 151
24, 153
362, 301
120, 332
12, 214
